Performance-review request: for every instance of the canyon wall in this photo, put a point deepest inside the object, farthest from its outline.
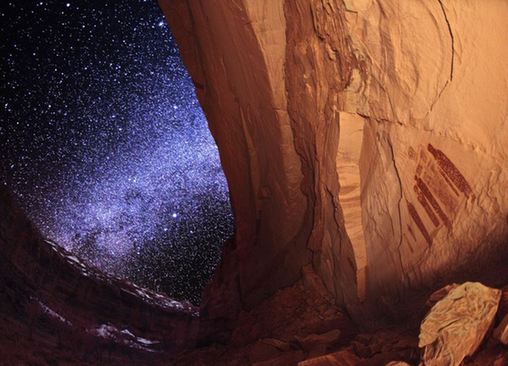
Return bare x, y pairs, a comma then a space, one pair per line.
363, 139
365, 147
54, 309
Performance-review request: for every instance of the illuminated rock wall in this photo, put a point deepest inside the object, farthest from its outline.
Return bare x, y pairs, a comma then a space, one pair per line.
367, 138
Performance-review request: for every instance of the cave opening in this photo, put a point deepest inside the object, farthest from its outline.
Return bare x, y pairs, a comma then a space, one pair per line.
105, 145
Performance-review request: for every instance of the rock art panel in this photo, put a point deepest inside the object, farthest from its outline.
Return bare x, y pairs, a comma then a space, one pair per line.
364, 137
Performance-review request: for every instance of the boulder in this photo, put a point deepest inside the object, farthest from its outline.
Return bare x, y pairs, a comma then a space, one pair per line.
312, 341
501, 332
342, 358
456, 325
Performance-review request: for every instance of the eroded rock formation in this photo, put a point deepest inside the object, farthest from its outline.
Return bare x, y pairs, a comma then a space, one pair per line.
364, 142
365, 138
456, 326
56, 310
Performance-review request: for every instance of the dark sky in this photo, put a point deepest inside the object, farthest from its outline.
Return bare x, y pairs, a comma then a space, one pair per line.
104, 143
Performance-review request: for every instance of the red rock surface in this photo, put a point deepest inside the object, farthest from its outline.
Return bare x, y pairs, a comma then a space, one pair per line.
362, 138
456, 325
54, 309
364, 143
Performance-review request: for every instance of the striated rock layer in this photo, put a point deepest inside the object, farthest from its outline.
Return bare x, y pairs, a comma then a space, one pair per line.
364, 142
365, 138
54, 310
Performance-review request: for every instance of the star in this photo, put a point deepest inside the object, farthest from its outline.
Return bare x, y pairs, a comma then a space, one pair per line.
106, 146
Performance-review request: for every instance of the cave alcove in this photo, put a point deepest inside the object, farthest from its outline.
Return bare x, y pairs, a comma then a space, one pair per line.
364, 149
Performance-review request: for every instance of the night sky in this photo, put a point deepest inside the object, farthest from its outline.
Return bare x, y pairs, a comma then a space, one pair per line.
105, 145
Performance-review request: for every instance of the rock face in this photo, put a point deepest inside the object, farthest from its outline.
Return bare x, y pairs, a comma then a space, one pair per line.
55, 310
501, 332
364, 142
457, 324
365, 138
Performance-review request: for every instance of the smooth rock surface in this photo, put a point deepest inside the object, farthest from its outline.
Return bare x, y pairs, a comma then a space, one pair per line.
457, 324
366, 138
342, 358
501, 332
364, 143
324, 340
56, 310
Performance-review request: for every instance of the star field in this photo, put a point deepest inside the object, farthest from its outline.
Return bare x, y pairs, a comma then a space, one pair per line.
105, 145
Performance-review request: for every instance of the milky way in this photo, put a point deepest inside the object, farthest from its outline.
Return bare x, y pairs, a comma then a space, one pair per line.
105, 145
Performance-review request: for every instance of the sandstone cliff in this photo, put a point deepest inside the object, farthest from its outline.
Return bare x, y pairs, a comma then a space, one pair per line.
366, 138
56, 310
364, 143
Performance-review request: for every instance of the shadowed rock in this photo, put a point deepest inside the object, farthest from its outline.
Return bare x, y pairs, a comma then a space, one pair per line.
457, 324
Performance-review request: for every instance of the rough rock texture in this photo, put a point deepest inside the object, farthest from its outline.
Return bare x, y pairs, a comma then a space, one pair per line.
364, 142
457, 324
334, 359
501, 332
55, 310
365, 349
366, 138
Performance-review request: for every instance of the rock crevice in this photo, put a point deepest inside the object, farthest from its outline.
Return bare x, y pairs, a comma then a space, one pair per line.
373, 139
